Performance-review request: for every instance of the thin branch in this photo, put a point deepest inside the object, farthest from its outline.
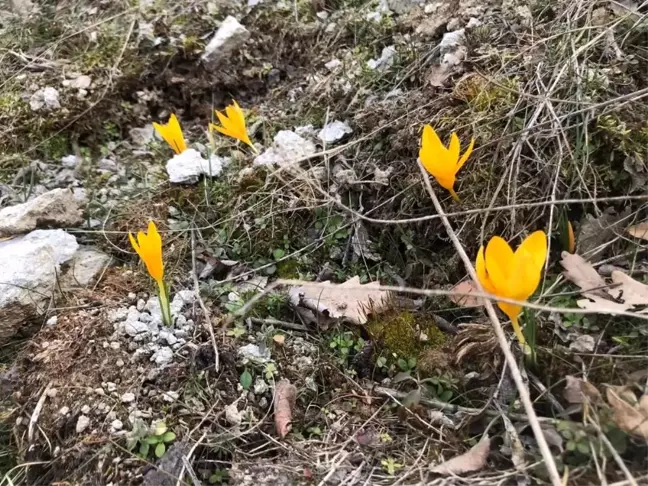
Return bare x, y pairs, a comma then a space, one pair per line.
501, 337
208, 322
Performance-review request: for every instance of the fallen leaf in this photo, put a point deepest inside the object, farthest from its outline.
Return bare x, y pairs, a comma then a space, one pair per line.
583, 344
578, 390
629, 291
280, 339
596, 231
633, 420
639, 230
599, 304
473, 460
466, 287
350, 301
285, 396
583, 274
552, 436
513, 442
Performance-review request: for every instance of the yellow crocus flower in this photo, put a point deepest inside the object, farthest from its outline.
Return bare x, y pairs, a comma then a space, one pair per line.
512, 275
149, 248
441, 162
233, 124
172, 134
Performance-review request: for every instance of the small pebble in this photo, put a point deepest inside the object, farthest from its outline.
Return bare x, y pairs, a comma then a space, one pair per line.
114, 345
141, 303
116, 424
110, 386
82, 423
170, 396
128, 397
119, 363
85, 409
100, 391
64, 410
52, 392
52, 321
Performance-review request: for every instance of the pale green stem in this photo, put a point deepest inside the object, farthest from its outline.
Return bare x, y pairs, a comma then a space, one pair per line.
165, 305
520, 336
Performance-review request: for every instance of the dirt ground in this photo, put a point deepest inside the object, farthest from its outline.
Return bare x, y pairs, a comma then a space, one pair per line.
554, 95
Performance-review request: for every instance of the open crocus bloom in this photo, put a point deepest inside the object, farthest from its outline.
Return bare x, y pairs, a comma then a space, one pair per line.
441, 162
233, 124
172, 134
512, 275
149, 248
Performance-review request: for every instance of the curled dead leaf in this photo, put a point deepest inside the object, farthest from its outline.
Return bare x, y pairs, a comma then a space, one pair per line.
639, 230
466, 287
631, 419
473, 460
285, 396
350, 301
583, 274
578, 390
629, 291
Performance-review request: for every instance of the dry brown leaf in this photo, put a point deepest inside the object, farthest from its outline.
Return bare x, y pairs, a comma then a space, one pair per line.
639, 230
350, 301
285, 396
633, 420
466, 287
583, 274
599, 304
578, 390
629, 291
280, 339
473, 460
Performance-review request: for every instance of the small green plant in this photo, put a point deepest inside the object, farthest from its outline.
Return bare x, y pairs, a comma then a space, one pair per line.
246, 379
149, 439
237, 331
390, 465
344, 344
270, 371
406, 365
220, 476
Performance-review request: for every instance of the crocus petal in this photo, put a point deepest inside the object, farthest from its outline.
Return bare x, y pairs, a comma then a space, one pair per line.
134, 243
511, 310
176, 134
453, 150
466, 154
534, 245
482, 274
235, 114
499, 258
434, 156
226, 122
225, 131
523, 279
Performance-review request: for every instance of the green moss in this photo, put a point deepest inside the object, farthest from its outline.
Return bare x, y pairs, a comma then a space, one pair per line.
288, 269
56, 147
404, 334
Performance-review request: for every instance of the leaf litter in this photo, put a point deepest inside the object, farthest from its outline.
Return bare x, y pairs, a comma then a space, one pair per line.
470, 461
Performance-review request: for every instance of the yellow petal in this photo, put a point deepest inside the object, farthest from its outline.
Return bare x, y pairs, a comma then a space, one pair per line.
466, 154
511, 310
499, 258
453, 150
482, 274
176, 133
225, 131
434, 157
225, 121
534, 245
133, 242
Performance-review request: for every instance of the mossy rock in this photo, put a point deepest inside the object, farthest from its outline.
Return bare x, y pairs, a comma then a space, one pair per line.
404, 334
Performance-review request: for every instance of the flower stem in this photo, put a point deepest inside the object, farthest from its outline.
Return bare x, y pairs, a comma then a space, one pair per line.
518, 332
454, 195
165, 305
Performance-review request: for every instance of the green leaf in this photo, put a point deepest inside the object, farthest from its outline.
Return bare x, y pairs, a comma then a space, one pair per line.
152, 439
583, 448
446, 396
160, 449
246, 380
402, 364
411, 362
168, 437
278, 254
412, 398
144, 449
402, 376
571, 445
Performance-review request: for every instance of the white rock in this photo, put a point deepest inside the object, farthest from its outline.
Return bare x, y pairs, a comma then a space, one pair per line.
70, 161
288, 148
334, 131
473, 23
45, 99
333, 64
374, 17
385, 60
52, 321
253, 352
52, 392
82, 423
82, 82
85, 409
229, 37
162, 356
188, 166
170, 396
153, 307
260, 386
232, 414
583, 344
117, 315
180, 299
453, 24
111, 387
22, 7
128, 397
64, 410
167, 337
86, 264
116, 424
30, 268
452, 40
142, 136
56, 208
133, 328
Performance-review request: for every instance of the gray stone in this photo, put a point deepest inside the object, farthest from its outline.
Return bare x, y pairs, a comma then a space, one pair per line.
188, 166
86, 264
229, 37
128, 397
334, 132
583, 344
254, 353
162, 356
82, 423
287, 149
142, 136
116, 424
56, 208
70, 161
45, 99
385, 60
134, 328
